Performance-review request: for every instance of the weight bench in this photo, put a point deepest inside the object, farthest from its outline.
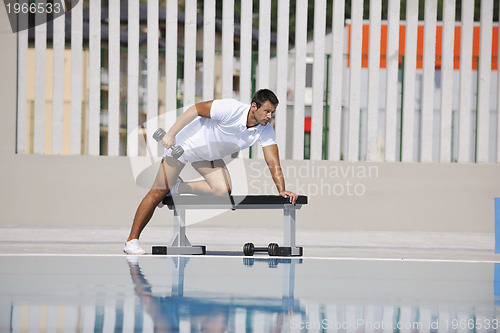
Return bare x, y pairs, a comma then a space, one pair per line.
179, 243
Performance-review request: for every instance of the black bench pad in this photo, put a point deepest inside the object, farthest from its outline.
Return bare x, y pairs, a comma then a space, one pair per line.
235, 200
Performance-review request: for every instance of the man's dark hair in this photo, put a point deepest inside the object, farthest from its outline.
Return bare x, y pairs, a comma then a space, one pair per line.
264, 95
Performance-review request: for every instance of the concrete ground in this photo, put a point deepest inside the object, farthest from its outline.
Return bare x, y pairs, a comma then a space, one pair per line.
223, 241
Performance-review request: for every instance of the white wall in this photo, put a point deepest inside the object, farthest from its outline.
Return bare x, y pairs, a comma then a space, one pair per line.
84, 191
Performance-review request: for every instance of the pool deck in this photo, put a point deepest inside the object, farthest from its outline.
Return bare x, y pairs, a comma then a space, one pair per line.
225, 242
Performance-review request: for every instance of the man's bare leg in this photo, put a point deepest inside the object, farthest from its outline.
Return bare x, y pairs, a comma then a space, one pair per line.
217, 179
167, 174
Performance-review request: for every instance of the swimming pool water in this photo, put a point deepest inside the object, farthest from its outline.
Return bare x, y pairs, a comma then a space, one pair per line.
236, 294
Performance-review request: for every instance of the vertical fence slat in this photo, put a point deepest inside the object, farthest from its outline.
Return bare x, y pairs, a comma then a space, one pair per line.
208, 49
300, 78
190, 53
246, 52
392, 80
133, 79
94, 77
282, 73
447, 79
318, 80
40, 76
246, 57
264, 43
76, 77
22, 83
410, 63
465, 81
58, 85
483, 106
171, 64
429, 65
355, 78
152, 70
227, 48
336, 84
114, 79
373, 79
264, 54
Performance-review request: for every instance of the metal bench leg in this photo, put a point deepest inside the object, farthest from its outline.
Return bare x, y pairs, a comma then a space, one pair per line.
179, 237
289, 231
179, 243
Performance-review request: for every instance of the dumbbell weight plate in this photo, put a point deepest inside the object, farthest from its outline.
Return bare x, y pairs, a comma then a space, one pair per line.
177, 151
159, 134
248, 249
272, 249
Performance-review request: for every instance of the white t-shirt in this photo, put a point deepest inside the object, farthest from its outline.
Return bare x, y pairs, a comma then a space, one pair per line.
224, 133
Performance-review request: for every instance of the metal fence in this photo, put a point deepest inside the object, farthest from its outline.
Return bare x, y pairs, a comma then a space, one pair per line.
97, 74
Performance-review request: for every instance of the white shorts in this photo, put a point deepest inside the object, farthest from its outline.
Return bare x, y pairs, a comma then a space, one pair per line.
184, 158
200, 154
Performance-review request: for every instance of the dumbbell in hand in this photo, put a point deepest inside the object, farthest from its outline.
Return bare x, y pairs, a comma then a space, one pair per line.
177, 151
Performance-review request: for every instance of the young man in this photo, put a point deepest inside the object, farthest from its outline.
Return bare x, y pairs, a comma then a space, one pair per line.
209, 131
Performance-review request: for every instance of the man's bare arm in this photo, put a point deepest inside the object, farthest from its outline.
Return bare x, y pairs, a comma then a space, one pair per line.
201, 109
271, 156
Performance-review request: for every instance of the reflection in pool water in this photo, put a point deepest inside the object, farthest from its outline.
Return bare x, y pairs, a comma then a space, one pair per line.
231, 294
210, 312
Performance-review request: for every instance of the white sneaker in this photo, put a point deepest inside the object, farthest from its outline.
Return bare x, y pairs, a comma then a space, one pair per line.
175, 189
133, 247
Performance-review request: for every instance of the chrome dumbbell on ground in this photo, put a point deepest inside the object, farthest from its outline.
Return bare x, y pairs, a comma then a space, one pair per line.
177, 151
